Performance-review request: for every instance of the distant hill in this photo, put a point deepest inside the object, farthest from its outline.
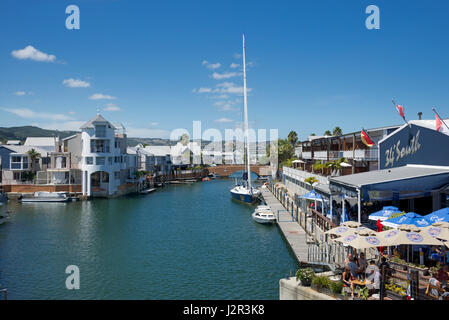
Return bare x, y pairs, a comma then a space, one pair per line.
21, 133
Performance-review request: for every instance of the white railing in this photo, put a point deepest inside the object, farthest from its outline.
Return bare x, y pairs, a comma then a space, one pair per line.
320, 155
301, 175
362, 154
307, 155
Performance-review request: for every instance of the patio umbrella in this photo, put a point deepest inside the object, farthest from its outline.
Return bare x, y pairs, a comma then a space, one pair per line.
352, 224
408, 218
441, 215
383, 214
312, 195
342, 231
407, 234
360, 241
439, 230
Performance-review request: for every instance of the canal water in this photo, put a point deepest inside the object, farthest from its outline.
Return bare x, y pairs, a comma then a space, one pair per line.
180, 242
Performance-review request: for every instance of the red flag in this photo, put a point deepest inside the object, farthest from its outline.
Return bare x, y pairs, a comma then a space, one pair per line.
379, 229
400, 110
438, 122
366, 139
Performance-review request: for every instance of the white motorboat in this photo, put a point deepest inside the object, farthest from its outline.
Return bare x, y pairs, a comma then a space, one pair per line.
147, 191
264, 216
44, 196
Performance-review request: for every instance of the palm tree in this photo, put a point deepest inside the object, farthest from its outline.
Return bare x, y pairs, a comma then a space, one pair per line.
319, 165
292, 138
327, 133
311, 180
33, 154
335, 166
337, 131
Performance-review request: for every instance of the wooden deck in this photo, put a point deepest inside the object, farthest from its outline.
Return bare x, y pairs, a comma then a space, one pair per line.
292, 231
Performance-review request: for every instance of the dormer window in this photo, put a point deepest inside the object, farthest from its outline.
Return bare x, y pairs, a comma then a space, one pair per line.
100, 130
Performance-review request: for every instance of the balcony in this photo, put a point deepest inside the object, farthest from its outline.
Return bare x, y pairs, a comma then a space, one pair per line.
307, 155
362, 154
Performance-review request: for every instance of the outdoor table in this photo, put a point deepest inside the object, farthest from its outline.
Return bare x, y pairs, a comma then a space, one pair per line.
359, 283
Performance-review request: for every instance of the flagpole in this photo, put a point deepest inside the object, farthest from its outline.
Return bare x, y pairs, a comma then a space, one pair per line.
441, 119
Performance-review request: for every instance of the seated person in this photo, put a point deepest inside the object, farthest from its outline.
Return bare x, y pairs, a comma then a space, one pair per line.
435, 291
383, 262
372, 276
362, 264
347, 280
443, 274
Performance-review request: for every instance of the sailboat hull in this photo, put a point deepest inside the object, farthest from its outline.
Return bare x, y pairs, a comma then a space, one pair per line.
247, 198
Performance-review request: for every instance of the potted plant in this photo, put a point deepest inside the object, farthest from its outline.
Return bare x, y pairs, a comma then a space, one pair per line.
363, 293
395, 292
305, 275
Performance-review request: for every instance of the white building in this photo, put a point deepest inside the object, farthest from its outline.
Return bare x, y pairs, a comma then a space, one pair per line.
104, 161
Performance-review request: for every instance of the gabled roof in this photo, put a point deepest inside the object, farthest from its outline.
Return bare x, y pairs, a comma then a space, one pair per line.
158, 150
98, 119
25, 149
40, 141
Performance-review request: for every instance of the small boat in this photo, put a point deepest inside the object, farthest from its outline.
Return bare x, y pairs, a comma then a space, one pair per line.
263, 208
147, 191
44, 196
264, 216
212, 175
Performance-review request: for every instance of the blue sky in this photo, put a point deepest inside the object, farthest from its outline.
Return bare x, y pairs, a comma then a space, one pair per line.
313, 64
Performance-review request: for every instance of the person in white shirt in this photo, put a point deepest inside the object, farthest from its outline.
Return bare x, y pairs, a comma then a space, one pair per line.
372, 276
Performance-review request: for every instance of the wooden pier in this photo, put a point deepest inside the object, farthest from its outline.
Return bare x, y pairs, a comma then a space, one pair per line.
292, 231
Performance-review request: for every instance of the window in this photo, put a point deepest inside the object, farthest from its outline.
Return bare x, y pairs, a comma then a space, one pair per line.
100, 161
100, 130
116, 159
100, 146
89, 160
117, 144
117, 175
16, 159
110, 160
16, 175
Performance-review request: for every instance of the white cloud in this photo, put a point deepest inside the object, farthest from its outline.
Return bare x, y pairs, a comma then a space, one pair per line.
229, 87
234, 65
154, 123
20, 93
73, 125
30, 114
71, 112
237, 55
223, 120
226, 75
75, 83
111, 107
29, 52
100, 96
202, 90
211, 66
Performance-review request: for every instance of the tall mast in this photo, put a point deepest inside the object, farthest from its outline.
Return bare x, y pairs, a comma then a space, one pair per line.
246, 116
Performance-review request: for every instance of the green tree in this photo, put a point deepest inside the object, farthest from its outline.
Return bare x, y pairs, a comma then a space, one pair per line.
311, 180
285, 151
327, 133
33, 154
337, 131
312, 134
336, 166
292, 138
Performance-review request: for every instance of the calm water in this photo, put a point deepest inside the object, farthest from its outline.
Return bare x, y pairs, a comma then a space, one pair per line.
181, 242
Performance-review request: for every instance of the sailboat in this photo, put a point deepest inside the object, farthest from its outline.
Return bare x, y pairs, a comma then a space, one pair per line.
245, 193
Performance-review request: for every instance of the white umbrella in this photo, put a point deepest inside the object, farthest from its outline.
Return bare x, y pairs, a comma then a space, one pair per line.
437, 230
359, 241
407, 234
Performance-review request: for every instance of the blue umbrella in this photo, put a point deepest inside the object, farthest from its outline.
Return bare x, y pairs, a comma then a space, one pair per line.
441, 215
384, 214
408, 218
312, 195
